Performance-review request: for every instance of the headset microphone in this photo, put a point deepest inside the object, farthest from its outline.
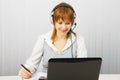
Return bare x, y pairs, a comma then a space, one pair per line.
72, 28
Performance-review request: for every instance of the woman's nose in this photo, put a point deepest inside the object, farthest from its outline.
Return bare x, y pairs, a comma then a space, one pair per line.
64, 26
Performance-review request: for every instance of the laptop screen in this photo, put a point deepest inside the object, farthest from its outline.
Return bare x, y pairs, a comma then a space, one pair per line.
74, 68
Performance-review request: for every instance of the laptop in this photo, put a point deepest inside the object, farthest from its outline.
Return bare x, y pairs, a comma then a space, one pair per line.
74, 68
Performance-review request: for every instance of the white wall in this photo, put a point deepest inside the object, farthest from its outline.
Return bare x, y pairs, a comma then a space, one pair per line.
21, 21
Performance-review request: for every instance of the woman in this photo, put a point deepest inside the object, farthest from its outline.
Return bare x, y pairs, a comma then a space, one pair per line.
61, 42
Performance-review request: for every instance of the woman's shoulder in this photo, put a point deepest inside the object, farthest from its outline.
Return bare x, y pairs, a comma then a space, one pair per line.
80, 38
45, 35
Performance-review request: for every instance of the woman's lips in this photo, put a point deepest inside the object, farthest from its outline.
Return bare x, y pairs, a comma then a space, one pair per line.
64, 30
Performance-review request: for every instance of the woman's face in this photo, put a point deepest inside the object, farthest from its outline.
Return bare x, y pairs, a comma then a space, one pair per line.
62, 27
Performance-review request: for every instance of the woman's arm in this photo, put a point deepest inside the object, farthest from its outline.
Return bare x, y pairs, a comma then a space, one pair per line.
35, 58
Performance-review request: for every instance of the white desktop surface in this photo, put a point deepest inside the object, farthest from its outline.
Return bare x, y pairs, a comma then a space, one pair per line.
101, 77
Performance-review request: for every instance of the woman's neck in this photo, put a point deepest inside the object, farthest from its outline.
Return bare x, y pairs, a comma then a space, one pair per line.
60, 37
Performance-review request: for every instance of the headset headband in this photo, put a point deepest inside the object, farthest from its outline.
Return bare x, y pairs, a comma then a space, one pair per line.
63, 5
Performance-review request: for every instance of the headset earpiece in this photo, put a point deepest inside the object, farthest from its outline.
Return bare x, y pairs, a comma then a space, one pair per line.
52, 21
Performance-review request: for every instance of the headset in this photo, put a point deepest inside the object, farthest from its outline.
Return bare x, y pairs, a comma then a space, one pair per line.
63, 4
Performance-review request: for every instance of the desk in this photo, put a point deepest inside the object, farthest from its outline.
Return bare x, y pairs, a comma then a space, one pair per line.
109, 77
101, 77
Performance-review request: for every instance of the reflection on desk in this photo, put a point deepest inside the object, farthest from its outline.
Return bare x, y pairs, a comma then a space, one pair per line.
101, 77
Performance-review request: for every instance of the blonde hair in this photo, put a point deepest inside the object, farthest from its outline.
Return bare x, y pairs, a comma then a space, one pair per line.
64, 13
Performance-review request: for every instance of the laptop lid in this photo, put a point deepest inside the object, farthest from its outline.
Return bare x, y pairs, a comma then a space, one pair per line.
74, 68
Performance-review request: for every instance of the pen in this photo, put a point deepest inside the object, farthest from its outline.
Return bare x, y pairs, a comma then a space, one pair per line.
25, 68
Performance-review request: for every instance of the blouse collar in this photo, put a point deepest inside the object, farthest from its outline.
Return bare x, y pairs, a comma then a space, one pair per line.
70, 41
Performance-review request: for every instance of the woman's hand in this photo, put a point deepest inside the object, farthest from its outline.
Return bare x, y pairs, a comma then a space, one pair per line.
25, 74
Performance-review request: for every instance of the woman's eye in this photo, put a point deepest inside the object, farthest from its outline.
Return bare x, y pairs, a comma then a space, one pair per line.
60, 22
67, 23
